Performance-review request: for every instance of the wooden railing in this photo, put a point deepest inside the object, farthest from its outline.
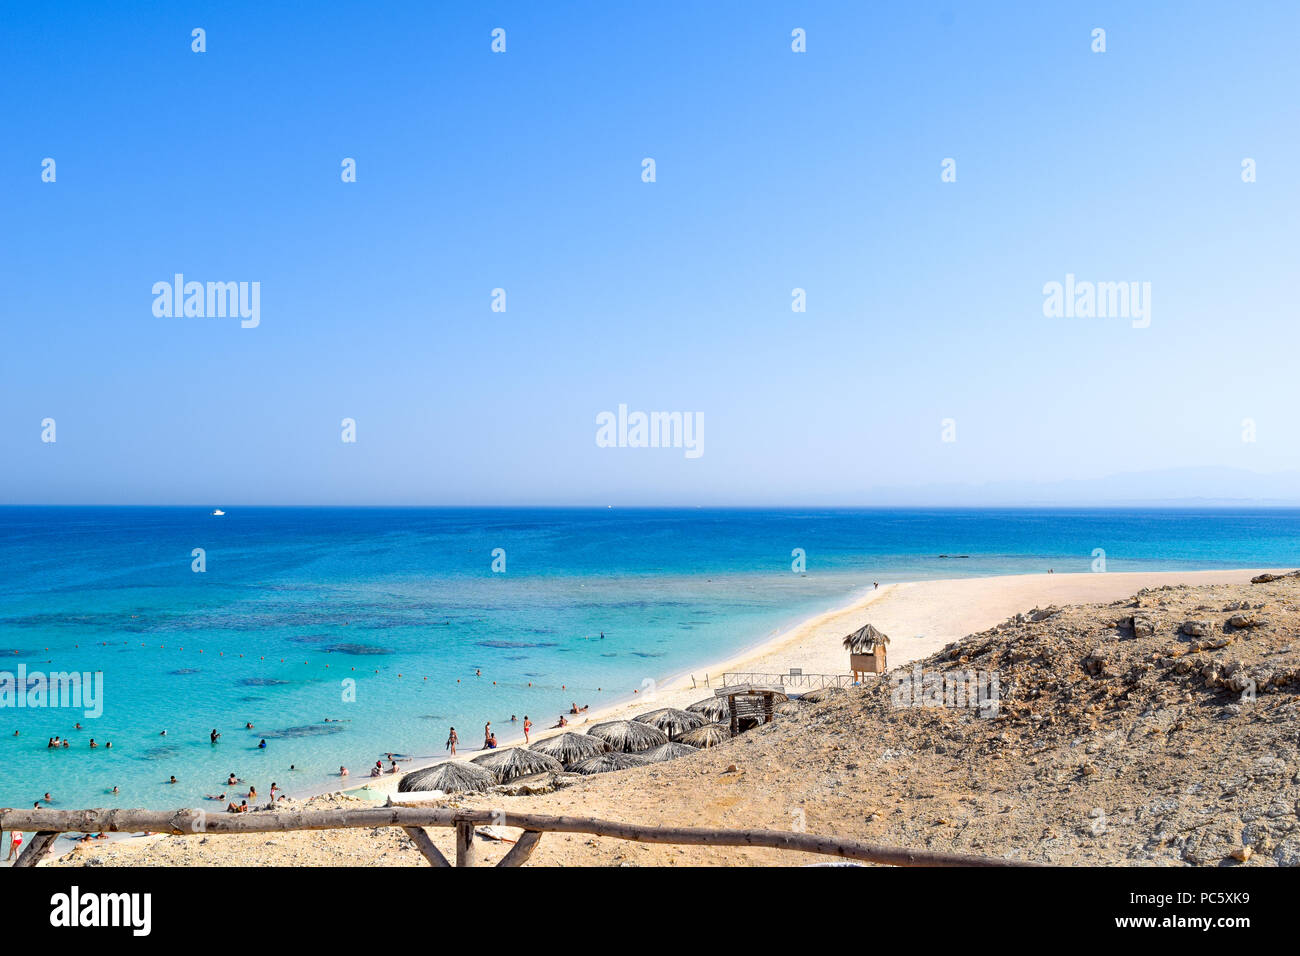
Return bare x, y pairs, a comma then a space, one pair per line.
794, 681
48, 824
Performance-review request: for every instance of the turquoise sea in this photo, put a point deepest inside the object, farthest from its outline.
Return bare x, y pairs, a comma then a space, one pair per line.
296, 602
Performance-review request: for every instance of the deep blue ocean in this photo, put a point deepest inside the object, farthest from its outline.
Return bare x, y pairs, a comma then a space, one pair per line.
296, 602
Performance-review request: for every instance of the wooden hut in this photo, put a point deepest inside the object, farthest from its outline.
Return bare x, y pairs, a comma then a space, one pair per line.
750, 704
866, 648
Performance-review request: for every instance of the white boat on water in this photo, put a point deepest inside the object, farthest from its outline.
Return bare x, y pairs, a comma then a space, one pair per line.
218, 512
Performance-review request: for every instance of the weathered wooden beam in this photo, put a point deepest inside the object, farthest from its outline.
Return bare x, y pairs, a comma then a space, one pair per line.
424, 843
522, 849
36, 850
464, 843
183, 822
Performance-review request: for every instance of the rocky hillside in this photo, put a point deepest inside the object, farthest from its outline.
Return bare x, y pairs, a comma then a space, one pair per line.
1159, 729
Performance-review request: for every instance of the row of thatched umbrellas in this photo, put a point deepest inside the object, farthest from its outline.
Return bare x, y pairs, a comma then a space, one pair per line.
659, 735
653, 737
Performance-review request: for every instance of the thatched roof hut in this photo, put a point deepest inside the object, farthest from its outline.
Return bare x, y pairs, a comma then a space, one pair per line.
669, 751
453, 776
864, 640
672, 721
514, 762
715, 708
572, 747
710, 735
629, 736
605, 763
823, 693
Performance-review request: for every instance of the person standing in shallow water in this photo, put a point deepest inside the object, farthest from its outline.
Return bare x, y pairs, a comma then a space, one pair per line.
15, 843
452, 740
528, 725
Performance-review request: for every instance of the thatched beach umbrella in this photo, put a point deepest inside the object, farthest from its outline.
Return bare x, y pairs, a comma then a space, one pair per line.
629, 736
672, 721
514, 762
604, 763
572, 747
454, 776
669, 751
823, 693
710, 735
715, 708
864, 640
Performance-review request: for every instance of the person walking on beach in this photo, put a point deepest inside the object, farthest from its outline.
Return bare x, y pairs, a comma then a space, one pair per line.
15, 843
452, 740
487, 733
528, 725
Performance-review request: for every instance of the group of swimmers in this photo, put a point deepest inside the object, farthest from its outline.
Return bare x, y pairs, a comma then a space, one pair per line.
378, 769
59, 743
243, 806
490, 742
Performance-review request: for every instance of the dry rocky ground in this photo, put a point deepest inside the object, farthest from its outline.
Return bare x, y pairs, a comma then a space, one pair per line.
1160, 729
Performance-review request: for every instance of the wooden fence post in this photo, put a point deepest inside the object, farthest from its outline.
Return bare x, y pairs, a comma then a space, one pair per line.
464, 843
425, 845
36, 850
522, 849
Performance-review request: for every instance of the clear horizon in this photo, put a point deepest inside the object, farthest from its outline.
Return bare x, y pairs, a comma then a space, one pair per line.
928, 358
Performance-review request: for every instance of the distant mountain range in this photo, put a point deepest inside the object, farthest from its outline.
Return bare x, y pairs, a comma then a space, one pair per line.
1192, 487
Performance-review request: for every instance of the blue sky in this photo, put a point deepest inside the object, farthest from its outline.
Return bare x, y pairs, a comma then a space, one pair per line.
522, 171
